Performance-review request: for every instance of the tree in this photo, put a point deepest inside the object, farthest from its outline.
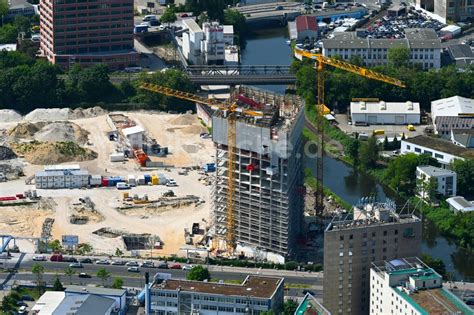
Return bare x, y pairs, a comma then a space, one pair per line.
395, 143
289, 307
386, 145
198, 273
428, 189
399, 56
465, 173
4, 8
22, 24
84, 248
8, 34
91, 84
118, 283
352, 150
369, 153
103, 275
57, 285
38, 271
169, 16
267, 313
437, 264
55, 246
69, 272
238, 20
118, 252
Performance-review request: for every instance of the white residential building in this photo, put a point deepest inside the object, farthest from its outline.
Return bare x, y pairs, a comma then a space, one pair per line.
424, 45
213, 46
229, 34
406, 286
254, 295
385, 113
452, 113
446, 180
442, 150
192, 41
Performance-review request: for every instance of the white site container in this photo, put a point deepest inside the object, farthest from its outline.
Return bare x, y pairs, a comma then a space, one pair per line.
131, 180
117, 157
96, 180
141, 180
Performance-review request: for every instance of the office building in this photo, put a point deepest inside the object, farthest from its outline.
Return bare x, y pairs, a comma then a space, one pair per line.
455, 112
406, 286
256, 294
452, 10
373, 232
424, 45
88, 32
445, 180
442, 150
268, 172
385, 113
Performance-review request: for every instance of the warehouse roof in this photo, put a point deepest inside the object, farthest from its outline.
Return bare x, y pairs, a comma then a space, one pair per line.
253, 286
94, 290
440, 145
452, 106
390, 108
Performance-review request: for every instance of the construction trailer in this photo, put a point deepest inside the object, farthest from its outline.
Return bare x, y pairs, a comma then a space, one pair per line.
268, 172
62, 179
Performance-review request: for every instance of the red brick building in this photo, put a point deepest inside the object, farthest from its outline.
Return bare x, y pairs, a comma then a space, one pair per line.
88, 32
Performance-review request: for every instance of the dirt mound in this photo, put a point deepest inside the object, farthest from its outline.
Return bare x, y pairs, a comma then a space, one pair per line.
185, 119
45, 114
43, 153
24, 130
195, 129
9, 115
62, 132
6, 153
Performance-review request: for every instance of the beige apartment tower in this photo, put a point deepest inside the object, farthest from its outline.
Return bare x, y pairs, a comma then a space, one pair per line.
374, 232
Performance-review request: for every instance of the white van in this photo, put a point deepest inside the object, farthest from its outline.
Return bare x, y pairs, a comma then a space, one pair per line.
149, 18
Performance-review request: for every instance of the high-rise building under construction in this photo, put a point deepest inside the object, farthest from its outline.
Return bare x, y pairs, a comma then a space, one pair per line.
268, 199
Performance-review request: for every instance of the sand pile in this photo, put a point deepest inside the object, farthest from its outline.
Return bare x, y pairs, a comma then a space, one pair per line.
43, 153
62, 131
24, 130
9, 115
6, 153
185, 119
47, 114
195, 129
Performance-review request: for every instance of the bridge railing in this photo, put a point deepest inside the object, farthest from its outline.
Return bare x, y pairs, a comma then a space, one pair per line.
230, 70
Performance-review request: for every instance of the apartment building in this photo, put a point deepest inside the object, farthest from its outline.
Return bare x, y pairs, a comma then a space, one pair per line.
88, 32
406, 286
424, 45
268, 172
446, 180
453, 10
373, 232
255, 295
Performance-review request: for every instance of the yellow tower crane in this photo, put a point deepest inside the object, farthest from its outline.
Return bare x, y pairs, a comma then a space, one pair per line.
321, 61
231, 110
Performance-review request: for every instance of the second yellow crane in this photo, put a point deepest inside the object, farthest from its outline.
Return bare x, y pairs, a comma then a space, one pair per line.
321, 61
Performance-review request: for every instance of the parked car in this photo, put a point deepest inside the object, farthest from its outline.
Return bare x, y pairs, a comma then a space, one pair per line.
148, 264
132, 263
163, 265
22, 310
154, 23
102, 262
188, 267
176, 266
75, 265
171, 183
133, 269
70, 259
86, 261
149, 18
84, 275
118, 263
27, 298
39, 258
56, 257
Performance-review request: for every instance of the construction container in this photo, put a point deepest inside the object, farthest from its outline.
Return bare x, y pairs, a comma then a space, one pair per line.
131, 180
117, 157
141, 180
95, 180
162, 179
154, 180
125, 195
105, 181
9, 198
147, 179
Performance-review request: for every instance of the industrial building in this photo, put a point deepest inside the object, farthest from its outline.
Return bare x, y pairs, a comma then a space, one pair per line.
119, 296
268, 172
385, 113
452, 10
373, 232
206, 45
455, 112
408, 286
463, 138
306, 28
423, 43
442, 150
88, 32
255, 295
134, 136
446, 180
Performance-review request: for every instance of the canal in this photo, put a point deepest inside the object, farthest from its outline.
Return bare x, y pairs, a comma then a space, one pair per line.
268, 47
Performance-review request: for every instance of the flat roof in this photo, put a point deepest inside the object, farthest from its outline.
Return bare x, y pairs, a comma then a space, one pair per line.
94, 290
132, 130
48, 302
253, 286
440, 145
437, 301
434, 171
192, 25
460, 203
390, 107
229, 29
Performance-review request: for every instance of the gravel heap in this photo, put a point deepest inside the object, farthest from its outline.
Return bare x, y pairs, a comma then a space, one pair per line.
42, 114
185, 119
9, 115
62, 131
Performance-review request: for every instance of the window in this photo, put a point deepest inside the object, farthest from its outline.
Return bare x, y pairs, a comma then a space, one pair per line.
341, 238
418, 150
439, 156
